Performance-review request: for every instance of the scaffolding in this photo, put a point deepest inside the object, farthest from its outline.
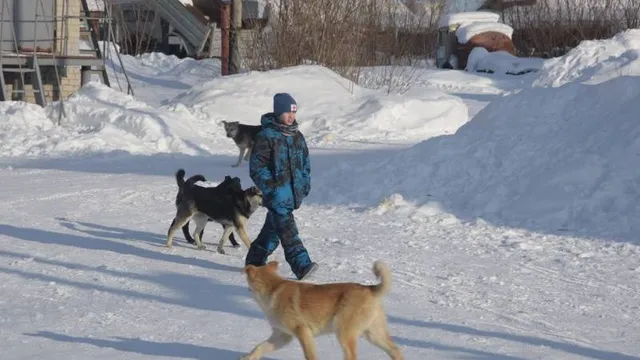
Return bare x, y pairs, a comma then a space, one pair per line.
50, 48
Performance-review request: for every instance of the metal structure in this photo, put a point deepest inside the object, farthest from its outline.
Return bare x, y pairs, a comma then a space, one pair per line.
168, 17
192, 30
41, 41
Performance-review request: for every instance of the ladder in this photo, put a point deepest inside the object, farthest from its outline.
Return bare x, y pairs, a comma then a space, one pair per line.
33, 69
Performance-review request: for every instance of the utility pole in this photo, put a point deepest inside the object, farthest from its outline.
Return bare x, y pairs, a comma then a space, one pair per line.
225, 19
236, 26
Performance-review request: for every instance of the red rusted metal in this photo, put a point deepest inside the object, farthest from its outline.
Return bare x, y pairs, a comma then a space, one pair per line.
490, 40
225, 24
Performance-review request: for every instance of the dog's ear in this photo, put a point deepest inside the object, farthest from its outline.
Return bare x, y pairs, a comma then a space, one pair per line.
224, 122
249, 270
273, 265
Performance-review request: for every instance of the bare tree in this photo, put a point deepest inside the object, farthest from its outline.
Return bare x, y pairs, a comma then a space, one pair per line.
347, 35
136, 23
552, 27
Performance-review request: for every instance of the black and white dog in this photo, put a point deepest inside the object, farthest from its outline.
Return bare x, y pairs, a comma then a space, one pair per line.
224, 205
229, 182
243, 136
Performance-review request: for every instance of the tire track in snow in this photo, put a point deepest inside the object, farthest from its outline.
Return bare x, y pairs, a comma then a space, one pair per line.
577, 280
58, 196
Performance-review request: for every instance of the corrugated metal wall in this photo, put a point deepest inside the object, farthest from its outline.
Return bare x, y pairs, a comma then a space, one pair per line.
20, 16
28, 29
6, 27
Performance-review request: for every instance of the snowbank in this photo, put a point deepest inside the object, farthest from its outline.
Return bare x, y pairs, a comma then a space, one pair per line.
330, 107
468, 30
160, 64
501, 62
543, 159
468, 17
99, 120
102, 120
594, 62
24, 126
332, 111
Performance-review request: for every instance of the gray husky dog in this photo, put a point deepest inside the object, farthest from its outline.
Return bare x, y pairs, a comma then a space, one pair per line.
243, 136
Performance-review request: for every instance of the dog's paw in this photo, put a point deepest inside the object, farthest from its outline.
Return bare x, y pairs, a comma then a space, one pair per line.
235, 246
236, 165
201, 247
221, 251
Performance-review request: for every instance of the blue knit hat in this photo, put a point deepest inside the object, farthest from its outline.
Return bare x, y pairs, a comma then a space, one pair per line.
283, 103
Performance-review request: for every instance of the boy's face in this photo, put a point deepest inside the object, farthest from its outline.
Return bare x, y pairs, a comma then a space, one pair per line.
288, 118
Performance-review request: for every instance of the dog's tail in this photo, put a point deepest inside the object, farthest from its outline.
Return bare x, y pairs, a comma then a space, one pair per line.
381, 271
194, 179
180, 177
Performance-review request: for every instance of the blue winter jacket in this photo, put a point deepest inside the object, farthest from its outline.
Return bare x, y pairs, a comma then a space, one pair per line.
279, 166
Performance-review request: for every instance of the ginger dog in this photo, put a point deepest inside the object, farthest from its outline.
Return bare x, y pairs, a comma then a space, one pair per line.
305, 311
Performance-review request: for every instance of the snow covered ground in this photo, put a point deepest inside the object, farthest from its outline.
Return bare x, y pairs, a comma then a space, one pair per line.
506, 207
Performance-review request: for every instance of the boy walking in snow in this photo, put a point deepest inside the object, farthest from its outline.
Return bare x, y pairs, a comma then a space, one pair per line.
280, 168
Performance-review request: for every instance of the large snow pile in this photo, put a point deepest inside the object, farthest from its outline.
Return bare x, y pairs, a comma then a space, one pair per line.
501, 62
157, 64
156, 77
594, 62
98, 120
24, 127
544, 158
329, 106
466, 31
331, 109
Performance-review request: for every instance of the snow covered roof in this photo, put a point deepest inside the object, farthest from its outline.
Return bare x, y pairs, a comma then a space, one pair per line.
95, 5
466, 31
467, 17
